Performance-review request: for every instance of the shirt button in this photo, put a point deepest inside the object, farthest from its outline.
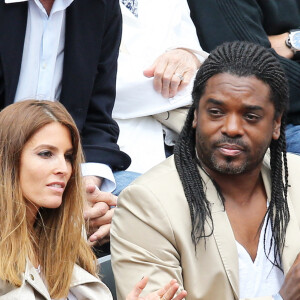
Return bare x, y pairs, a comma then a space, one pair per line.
31, 277
44, 66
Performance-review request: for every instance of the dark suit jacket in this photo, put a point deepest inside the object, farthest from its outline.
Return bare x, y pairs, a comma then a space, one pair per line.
219, 21
93, 33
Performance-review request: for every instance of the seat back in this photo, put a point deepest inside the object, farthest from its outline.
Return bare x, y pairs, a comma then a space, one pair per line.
106, 274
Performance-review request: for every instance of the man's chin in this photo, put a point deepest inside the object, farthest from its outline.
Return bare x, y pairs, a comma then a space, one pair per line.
229, 167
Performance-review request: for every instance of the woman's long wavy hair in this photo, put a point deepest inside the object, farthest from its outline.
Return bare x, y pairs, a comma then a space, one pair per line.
56, 241
243, 60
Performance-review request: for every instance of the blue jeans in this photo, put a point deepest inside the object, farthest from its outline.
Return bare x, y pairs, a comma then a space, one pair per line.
292, 134
123, 179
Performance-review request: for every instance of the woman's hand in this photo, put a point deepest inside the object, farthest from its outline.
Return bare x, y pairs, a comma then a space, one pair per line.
165, 293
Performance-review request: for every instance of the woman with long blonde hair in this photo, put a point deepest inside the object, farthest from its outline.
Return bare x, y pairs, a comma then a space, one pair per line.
43, 252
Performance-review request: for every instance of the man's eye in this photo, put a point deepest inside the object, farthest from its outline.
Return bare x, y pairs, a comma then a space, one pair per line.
252, 117
45, 153
215, 112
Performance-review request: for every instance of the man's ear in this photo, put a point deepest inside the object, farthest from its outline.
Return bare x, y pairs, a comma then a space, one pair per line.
276, 127
194, 124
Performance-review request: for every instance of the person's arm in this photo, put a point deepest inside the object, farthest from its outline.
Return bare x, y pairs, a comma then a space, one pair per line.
279, 45
100, 131
142, 243
219, 21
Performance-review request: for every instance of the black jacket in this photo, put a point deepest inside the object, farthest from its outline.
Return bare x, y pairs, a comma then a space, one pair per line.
218, 21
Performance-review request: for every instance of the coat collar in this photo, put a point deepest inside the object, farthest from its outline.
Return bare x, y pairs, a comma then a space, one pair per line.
80, 282
223, 235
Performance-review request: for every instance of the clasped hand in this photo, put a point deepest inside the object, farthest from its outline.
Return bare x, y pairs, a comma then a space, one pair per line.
97, 211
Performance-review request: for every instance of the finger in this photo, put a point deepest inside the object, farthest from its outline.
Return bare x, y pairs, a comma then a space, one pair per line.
138, 288
149, 72
100, 234
158, 74
167, 78
181, 295
105, 219
99, 209
90, 181
187, 76
171, 291
164, 289
175, 83
99, 196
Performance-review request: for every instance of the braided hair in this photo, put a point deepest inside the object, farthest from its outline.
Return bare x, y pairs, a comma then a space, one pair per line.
241, 59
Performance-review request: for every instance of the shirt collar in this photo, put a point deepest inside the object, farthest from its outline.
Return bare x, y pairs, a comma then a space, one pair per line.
14, 1
60, 5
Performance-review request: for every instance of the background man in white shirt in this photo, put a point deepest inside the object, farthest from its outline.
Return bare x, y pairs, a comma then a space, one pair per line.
67, 51
159, 56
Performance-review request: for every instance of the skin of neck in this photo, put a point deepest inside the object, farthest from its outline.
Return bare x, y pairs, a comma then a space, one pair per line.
234, 185
47, 4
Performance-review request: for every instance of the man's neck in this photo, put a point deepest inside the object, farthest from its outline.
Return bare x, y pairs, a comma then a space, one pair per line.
47, 5
233, 186
245, 205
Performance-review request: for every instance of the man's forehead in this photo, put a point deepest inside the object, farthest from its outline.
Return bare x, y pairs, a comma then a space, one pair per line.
224, 80
226, 85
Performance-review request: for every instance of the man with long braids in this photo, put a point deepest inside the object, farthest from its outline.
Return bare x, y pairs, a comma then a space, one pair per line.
222, 215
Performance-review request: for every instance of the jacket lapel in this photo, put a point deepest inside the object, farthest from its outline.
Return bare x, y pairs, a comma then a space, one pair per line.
12, 41
292, 241
223, 236
85, 21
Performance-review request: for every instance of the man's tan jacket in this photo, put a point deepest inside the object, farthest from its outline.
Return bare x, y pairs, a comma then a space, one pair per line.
151, 236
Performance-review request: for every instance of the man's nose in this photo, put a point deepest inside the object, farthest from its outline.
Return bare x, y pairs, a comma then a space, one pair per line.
233, 125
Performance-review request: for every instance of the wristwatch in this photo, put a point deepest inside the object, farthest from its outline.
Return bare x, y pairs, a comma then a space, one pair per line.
293, 40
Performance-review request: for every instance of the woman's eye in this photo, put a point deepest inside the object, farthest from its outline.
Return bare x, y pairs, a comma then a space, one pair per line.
45, 153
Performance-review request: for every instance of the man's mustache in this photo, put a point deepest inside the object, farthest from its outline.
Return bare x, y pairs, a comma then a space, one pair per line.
231, 141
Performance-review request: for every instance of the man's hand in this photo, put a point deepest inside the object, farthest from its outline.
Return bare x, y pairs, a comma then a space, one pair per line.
166, 293
290, 289
97, 211
172, 71
279, 45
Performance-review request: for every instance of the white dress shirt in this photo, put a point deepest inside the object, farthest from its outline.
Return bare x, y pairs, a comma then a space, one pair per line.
161, 25
42, 65
259, 278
